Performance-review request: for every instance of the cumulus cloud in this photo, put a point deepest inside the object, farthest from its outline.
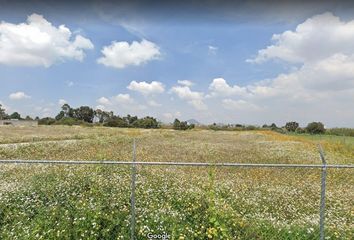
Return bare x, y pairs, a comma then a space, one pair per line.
104, 101
185, 83
122, 54
239, 105
19, 96
123, 98
3, 106
171, 116
61, 102
219, 87
321, 77
153, 103
38, 43
147, 88
118, 103
192, 97
319, 37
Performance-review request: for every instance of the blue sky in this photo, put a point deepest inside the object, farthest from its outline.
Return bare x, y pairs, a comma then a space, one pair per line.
234, 66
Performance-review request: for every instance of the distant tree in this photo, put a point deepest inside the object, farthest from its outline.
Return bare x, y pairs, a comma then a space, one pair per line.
116, 121
3, 114
84, 113
182, 125
46, 121
300, 130
28, 118
103, 116
265, 126
68, 111
60, 115
130, 120
37, 118
146, 122
177, 124
315, 128
15, 115
291, 126
273, 125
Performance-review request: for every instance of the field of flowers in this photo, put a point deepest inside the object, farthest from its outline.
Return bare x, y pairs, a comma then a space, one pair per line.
93, 202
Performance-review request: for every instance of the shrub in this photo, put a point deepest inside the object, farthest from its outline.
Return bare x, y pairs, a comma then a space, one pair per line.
178, 125
46, 121
68, 121
291, 126
341, 131
300, 130
315, 128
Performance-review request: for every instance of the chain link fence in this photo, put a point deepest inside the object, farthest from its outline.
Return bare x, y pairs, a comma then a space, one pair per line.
50, 199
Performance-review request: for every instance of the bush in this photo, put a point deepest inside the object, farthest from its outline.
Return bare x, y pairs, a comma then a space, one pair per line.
178, 125
315, 128
68, 121
291, 126
46, 121
300, 130
250, 127
341, 131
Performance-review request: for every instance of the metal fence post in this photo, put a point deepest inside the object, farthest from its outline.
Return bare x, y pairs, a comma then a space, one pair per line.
132, 197
323, 193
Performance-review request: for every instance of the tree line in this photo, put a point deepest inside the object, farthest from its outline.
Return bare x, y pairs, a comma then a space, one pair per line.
311, 128
85, 115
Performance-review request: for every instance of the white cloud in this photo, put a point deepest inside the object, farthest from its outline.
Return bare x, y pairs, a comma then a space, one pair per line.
18, 96
70, 84
212, 50
38, 43
101, 107
122, 54
123, 98
239, 105
171, 116
219, 87
153, 103
321, 78
192, 97
3, 106
104, 101
319, 37
61, 102
147, 88
185, 83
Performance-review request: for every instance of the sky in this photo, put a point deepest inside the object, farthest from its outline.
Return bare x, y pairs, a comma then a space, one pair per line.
246, 62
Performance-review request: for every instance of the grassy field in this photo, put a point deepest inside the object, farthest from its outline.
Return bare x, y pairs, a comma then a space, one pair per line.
92, 202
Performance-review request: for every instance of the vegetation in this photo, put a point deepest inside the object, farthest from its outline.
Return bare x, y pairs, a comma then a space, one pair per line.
291, 126
340, 131
178, 125
315, 128
92, 202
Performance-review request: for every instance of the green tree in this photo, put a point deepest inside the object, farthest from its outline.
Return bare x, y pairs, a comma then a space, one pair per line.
315, 128
291, 126
60, 115
3, 114
15, 115
68, 111
177, 124
84, 113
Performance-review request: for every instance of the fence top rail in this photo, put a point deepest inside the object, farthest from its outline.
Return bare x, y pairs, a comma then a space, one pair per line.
192, 164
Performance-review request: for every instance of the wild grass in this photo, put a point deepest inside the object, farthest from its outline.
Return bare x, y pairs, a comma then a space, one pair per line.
93, 202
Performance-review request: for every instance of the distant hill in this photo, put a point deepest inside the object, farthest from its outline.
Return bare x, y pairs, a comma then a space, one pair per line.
193, 121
